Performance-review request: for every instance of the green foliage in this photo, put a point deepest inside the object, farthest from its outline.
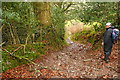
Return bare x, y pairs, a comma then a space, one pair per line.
58, 20
95, 38
21, 16
98, 12
90, 12
11, 16
26, 22
32, 51
51, 36
97, 26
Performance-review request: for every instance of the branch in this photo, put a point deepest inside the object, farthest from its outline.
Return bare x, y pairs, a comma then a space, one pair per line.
1, 27
12, 34
2, 43
68, 7
19, 57
17, 49
58, 4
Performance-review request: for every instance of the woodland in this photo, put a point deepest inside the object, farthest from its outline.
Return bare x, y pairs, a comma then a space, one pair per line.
57, 39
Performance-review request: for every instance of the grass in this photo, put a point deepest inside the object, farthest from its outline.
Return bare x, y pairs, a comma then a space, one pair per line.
32, 51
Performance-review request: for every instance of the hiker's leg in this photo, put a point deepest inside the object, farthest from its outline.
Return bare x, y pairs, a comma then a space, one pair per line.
110, 50
107, 51
106, 57
107, 54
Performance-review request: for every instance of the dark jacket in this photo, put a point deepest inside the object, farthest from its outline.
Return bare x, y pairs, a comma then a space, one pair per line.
108, 41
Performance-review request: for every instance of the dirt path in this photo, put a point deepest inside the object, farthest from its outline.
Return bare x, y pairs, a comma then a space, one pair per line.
75, 61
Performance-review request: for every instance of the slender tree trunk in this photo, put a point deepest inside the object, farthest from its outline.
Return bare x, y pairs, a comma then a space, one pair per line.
14, 35
11, 32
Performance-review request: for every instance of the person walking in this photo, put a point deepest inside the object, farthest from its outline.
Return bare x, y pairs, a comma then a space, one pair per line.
108, 42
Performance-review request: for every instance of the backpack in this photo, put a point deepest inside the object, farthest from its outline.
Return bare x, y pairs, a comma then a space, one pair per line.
115, 34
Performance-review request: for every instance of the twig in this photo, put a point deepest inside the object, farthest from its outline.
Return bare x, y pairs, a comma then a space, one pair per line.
21, 57
67, 7
17, 49
26, 41
87, 60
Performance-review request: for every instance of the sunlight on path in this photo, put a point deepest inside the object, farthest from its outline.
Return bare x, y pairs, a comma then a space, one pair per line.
69, 41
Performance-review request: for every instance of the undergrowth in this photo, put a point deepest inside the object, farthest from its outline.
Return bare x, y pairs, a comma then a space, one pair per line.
89, 36
50, 39
13, 58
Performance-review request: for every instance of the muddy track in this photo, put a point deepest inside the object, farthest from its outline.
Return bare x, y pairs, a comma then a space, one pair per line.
75, 61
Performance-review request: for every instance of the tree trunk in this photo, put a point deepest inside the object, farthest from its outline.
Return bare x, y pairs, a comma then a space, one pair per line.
42, 9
